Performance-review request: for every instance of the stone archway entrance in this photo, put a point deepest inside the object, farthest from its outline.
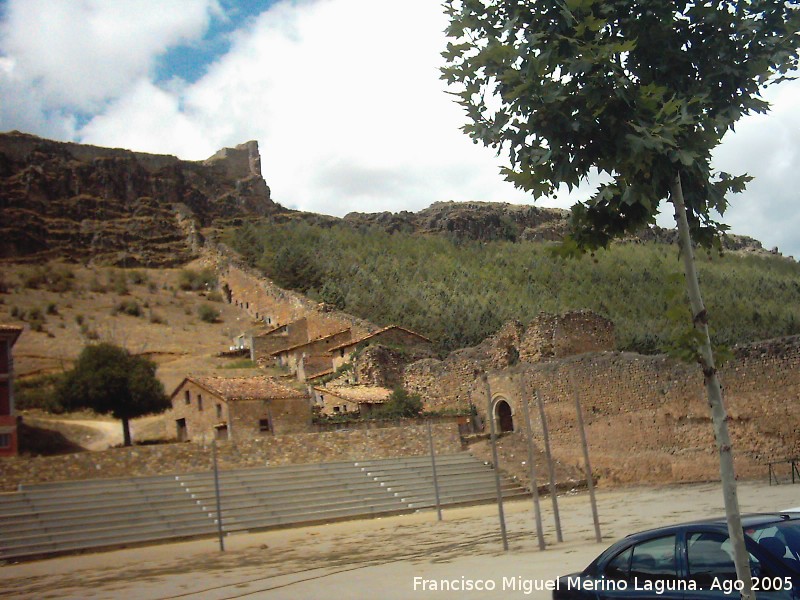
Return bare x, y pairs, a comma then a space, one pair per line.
505, 420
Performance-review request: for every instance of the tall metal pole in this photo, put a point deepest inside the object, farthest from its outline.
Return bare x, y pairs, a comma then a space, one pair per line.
493, 440
216, 493
550, 469
433, 466
532, 468
589, 478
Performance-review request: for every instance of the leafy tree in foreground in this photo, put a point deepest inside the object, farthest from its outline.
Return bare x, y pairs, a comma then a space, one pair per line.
639, 90
109, 380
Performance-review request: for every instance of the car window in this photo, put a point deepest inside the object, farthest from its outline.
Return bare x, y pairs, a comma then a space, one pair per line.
619, 567
781, 541
654, 560
710, 559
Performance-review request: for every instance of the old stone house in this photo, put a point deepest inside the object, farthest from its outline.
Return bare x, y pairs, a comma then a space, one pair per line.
392, 335
8, 420
263, 345
358, 399
237, 408
292, 356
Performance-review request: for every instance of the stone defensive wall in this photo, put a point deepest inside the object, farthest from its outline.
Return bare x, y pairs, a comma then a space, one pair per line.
647, 417
166, 459
273, 306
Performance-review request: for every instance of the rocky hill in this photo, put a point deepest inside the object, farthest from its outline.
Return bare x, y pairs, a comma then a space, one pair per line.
117, 207
487, 221
65, 200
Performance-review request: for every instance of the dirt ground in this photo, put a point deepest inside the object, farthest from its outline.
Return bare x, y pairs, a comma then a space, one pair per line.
389, 558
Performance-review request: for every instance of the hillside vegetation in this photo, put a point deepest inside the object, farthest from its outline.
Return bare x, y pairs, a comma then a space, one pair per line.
457, 292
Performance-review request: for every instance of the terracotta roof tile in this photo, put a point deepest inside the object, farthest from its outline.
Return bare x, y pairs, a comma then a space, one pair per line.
373, 334
246, 388
358, 393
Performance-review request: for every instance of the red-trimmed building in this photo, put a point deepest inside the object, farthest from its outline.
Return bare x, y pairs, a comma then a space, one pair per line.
8, 420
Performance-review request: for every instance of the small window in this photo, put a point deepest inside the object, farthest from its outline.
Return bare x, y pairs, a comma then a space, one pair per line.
620, 566
341, 352
336, 409
219, 411
344, 408
263, 425
5, 440
199, 401
187, 396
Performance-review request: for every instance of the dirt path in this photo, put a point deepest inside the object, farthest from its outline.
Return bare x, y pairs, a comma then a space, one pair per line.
382, 558
95, 434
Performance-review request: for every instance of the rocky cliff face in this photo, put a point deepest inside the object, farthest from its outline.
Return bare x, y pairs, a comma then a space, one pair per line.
486, 221
116, 206
473, 220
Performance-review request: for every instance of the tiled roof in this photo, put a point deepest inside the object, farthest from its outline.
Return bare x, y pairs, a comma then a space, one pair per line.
308, 343
245, 388
358, 393
374, 333
12, 331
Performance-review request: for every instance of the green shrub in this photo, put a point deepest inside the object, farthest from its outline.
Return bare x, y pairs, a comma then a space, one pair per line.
79, 319
54, 278
156, 318
127, 307
138, 278
214, 297
38, 392
207, 313
189, 279
118, 282
51, 309
400, 405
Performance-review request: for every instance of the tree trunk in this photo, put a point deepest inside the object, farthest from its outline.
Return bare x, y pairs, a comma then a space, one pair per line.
714, 391
126, 431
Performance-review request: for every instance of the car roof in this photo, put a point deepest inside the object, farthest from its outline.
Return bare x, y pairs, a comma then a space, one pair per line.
748, 521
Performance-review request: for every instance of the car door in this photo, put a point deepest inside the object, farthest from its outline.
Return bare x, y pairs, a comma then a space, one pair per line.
645, 570
709, 567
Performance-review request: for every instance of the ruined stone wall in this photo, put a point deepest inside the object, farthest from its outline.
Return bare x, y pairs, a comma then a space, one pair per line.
647, 417
554, 336
262, 299
270, 451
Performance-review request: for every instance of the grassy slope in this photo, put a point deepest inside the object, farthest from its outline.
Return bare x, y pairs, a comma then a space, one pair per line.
457, 293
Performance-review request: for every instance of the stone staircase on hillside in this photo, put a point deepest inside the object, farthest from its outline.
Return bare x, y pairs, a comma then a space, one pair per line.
57, 518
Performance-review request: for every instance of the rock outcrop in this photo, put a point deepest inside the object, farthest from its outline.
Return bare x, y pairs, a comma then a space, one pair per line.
119, 207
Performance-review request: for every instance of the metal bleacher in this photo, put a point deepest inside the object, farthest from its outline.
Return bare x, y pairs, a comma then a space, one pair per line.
56, 518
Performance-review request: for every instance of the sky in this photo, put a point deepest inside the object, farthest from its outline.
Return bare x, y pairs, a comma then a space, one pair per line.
343, 96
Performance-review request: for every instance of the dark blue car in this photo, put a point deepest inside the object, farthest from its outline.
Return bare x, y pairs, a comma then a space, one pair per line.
693, 561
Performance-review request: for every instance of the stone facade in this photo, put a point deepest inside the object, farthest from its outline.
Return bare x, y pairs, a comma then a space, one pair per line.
268, 304
647, 417
212, 408
392, 336
280, 449
291, 357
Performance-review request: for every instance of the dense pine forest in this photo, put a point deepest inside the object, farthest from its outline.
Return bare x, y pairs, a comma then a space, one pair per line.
458, 292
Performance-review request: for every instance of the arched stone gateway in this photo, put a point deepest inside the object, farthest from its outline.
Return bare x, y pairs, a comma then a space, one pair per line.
503, 416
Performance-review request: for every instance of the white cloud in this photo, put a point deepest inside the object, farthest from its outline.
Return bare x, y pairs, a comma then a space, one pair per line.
345, 99
75, 56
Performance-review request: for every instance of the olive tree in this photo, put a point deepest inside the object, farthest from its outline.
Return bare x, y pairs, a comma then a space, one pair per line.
110, 380
638, 92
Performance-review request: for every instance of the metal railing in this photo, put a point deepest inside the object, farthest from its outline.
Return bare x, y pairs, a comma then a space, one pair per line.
794, 467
